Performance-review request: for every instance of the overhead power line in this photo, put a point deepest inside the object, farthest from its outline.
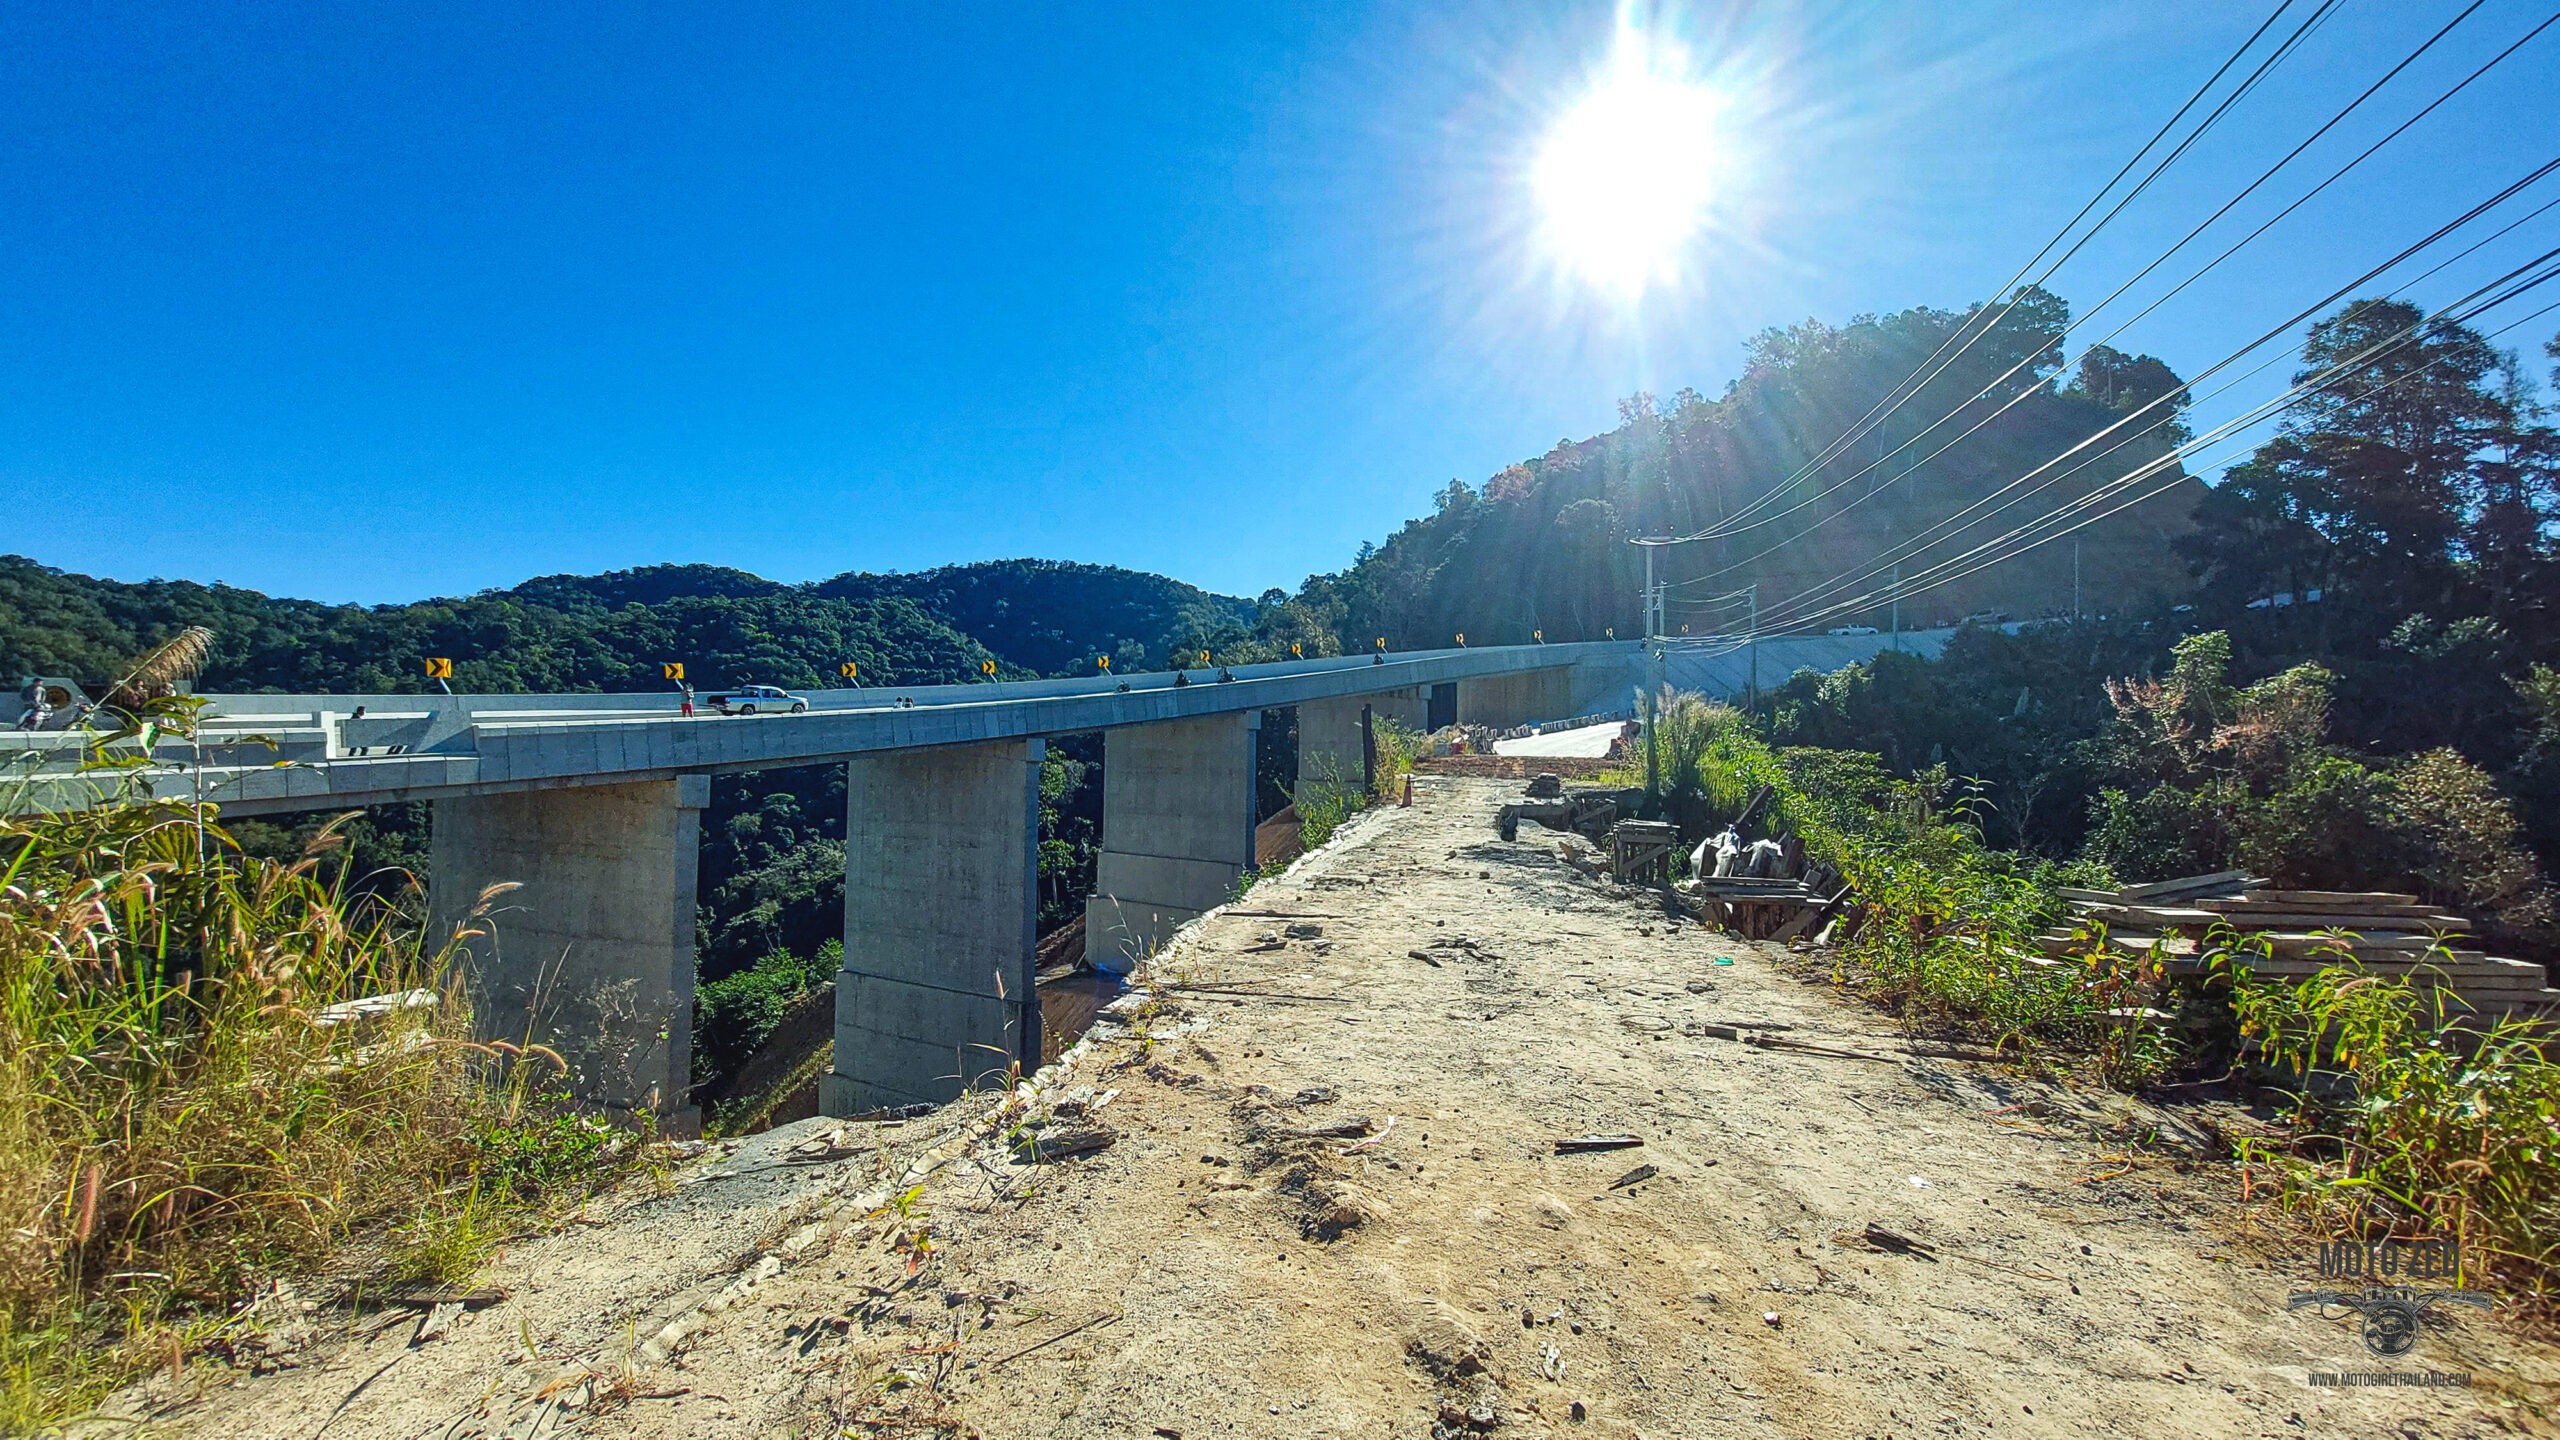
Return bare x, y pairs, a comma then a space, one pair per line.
1945, 572
1951, 523
1910, 385
1726, 529
2452, 315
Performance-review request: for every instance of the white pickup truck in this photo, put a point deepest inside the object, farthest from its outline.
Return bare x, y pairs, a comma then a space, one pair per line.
750, 699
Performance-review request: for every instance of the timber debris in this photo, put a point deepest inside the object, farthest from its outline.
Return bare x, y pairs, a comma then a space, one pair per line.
2191, 923
1585, 1144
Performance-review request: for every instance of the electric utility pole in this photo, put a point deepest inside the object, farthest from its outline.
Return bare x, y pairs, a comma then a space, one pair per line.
1650, 700
1648, 592
1754, 643
1897, 607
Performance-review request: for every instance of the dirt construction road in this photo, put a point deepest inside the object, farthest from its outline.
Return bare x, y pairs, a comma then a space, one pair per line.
1345, 1216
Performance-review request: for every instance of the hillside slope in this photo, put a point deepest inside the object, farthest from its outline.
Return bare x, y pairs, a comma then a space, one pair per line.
613, 631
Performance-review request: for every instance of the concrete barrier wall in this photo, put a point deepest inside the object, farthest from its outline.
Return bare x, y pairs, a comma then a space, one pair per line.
255, 709
1712, 670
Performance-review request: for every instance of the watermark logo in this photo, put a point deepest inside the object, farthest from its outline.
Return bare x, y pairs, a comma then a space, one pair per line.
2395, 1312
2394, 1315
2391, 1260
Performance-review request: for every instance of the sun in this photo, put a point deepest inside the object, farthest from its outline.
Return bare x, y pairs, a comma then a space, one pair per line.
1625, 177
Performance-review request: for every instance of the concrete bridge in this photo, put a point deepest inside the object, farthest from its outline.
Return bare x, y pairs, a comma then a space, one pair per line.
592, 805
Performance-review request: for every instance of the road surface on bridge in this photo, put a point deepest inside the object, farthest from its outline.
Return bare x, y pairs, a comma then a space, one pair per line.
1588, 742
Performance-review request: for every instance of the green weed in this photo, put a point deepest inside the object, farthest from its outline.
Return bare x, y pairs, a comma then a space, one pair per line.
2403, 1125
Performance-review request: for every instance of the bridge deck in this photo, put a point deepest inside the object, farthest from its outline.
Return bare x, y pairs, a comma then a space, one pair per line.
274, 753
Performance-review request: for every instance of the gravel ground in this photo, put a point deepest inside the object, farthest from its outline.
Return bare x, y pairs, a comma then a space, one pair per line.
1336, 1208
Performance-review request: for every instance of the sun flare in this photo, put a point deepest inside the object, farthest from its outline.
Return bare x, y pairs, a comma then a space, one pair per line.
1625, 177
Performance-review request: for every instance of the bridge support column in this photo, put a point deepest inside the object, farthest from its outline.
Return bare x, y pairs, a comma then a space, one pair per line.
1526, 698
1336, 737
941, 860
594, 955
1177, 829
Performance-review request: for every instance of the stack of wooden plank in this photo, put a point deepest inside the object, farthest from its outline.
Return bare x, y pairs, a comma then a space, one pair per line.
2307, 931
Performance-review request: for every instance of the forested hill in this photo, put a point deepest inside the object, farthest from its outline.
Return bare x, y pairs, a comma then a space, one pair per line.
1541, 546
1055, 617
612, 631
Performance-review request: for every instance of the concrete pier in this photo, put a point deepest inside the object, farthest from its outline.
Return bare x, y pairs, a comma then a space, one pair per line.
593, 956
1177, 829
1334, 739
941, 866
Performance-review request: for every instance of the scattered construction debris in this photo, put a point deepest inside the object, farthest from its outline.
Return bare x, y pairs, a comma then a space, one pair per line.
1062, 1142
1876, 1237
1763, 890
1589, 813
1779, 1042
1767, 888
438, 1319
1642, 851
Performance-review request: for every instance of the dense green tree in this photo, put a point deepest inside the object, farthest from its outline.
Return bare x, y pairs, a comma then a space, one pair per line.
2411, 478
1056, 618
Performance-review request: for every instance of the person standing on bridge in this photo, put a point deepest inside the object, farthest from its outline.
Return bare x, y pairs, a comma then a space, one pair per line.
686, 707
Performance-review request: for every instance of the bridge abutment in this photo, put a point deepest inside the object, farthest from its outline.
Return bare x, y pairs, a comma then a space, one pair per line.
1177, 829
593, 955
941, 868
1526, 698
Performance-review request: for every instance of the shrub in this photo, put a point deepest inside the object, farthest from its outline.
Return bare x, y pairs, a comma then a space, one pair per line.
2159, 833
2333, 823
736, 1014
1398, 746
2213, 777
2468, 847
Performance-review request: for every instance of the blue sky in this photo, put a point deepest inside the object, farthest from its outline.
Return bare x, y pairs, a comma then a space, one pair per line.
372, 303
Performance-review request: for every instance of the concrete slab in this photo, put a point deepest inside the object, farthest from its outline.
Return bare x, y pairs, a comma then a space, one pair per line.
1591, 742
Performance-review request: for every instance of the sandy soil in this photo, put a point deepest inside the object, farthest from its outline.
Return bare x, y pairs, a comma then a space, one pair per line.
1336, 1209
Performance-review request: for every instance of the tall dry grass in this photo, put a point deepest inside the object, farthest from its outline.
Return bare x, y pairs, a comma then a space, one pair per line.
184, 1116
